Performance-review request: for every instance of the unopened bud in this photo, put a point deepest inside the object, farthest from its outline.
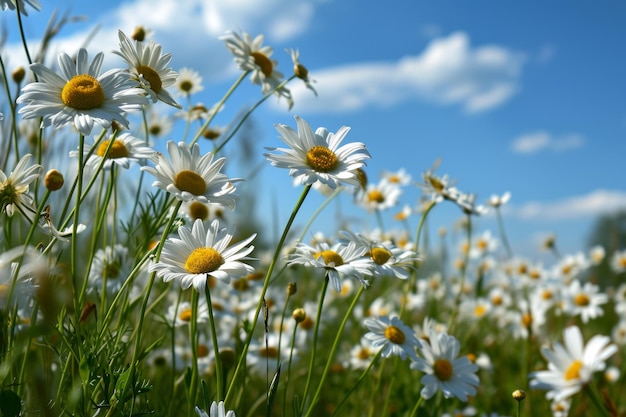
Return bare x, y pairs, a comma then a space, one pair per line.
53, 180
18, 74
228, 357
292, 288
518, 395
211, 134
299, 315
139, 34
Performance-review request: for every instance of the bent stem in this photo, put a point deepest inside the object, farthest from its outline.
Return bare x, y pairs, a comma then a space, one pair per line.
266, 282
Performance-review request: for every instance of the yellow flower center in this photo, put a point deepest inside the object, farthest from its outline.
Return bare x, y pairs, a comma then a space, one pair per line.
203, 350
480, 310
83, 92
198, 210
321, 159
581, 300
152, 77
380, 255
375, 196
185, 315
331, 257
527, 319
395, 335
112, 270
573, 371
270, 352
264, 63
363, 354
186, 86
481, 244
118, 149
203, 261
436, 183
442, 369
546, 295
190, 181
496, 300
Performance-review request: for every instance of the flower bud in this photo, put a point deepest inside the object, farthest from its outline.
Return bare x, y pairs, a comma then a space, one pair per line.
299, 315
292, 288
518, 395
139, 34
18, 74
53, 180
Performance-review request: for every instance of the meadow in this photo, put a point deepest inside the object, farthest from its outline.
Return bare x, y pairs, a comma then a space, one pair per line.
133, 281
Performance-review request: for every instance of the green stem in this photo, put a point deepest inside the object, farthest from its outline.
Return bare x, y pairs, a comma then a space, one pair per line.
318, 319
358, 381
417, 406
333, 349
596, 401
218, 107
270, 270
249, 112
219, 371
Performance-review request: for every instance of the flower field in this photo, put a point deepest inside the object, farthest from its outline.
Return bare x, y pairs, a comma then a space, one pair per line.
130, 286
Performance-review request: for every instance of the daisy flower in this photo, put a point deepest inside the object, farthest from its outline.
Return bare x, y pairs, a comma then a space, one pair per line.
148, 67
111, 264
300, 70
124, 150
14, 188
584, 300
400, 177
179, 315
381, 196
392, 336
438, 188
201, 253
387, 259
339, 261
80, 95
192, 177
443, 369
189, 82
316, 156
570, 367
159, 125
250, 55
11, 4
216, 410
499, 200
618, 261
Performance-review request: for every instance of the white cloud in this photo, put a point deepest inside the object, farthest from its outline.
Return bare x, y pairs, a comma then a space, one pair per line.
188, 29
595, 203
541, 140
448, 71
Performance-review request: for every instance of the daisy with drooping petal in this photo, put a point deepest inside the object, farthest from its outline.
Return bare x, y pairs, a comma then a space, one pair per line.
571, 366
14, 188
149, 67
216, 410
339, 260
193, 177
11, 5
392, 336
443, 368
300, 70
202, 253
80, 95
124, 150
250, 55
317, 156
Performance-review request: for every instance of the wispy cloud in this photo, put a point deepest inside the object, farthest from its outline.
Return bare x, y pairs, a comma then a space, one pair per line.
595, 203
541, 140
448, 71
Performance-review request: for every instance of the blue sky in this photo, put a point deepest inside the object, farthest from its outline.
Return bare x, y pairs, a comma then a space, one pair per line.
526, 97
